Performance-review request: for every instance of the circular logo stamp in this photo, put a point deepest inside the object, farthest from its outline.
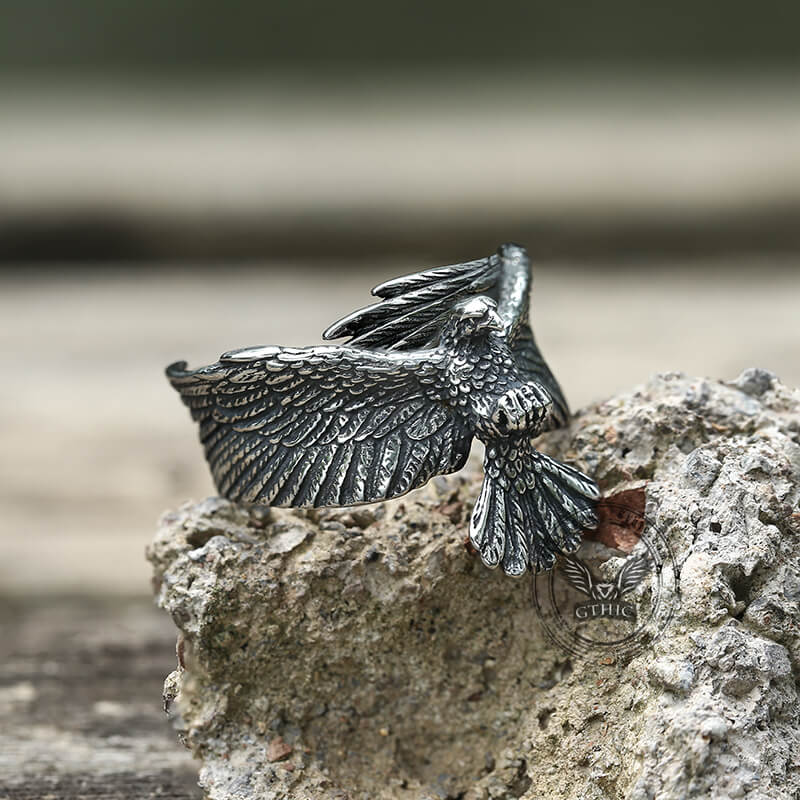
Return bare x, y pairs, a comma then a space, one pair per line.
618, 592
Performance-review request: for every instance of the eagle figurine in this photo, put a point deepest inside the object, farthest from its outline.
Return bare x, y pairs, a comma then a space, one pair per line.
445, 355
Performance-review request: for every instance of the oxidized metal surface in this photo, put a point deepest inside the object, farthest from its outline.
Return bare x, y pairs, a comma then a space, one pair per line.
446, 355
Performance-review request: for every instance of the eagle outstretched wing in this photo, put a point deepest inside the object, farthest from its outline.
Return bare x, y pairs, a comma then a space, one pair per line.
577, 574
414, 308
632, 573
323, 426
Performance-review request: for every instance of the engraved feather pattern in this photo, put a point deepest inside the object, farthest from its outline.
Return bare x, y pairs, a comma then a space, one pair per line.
445, 356
414, 309
322, 426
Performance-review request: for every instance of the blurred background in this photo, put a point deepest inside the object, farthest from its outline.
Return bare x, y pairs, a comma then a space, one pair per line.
181, 178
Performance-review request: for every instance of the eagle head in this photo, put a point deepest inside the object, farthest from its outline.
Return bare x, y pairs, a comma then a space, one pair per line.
476, 315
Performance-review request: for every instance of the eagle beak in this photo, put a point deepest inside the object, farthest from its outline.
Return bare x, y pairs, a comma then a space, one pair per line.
491, 321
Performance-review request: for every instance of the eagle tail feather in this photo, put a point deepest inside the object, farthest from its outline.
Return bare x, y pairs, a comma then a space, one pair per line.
530, 509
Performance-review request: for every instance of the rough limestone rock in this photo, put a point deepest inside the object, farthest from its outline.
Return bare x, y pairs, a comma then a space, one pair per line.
366, 653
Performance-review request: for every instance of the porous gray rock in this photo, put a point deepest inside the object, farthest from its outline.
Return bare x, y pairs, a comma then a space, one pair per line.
366, 653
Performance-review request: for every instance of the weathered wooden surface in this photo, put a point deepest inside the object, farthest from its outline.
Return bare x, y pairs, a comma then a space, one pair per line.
80, 681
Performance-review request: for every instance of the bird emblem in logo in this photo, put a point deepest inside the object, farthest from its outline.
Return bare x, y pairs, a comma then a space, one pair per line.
606, 597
